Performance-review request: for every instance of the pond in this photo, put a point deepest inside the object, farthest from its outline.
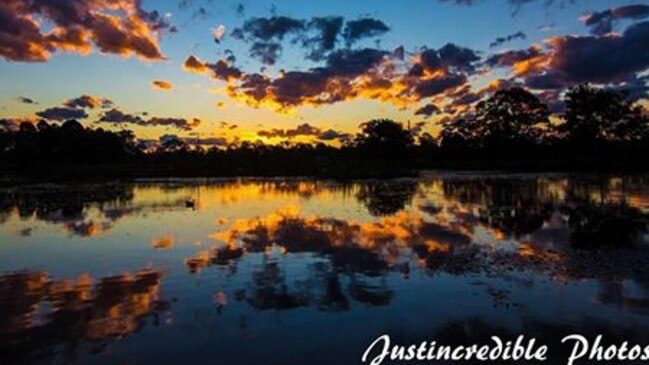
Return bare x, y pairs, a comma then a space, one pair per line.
299, 271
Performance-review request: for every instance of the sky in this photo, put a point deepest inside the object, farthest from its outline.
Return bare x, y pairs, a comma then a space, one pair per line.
222, 71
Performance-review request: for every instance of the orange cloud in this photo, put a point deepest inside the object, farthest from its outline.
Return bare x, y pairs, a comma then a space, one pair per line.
162, 85
119, 27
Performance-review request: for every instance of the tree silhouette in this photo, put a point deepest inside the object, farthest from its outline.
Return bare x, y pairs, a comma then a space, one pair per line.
384, 137
602, 129
512, 115
459, 134
594, 115
512, 118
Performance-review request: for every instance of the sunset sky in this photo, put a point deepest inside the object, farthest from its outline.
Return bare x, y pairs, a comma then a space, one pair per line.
303, 70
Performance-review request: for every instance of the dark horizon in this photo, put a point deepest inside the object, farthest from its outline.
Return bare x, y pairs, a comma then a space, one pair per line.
601, 129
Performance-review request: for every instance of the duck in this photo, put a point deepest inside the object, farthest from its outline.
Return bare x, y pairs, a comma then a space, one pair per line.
191, 203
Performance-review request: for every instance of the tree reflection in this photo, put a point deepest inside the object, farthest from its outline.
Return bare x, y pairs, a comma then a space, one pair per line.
384, 198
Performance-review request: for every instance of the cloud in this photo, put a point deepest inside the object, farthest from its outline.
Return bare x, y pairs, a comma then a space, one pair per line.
265, 35
88, 102
10, 124
305, 130
317, 35
515, 4
240, 9
221, 69
602, 22
450, 57
502, 40
218, 33
524, 62
266, 29
301, 130
62, 113
33, 29
595, 59
356, 30
428, 110
435, 86
162, 85
327, 30
195, 141
267, 52
321, 85
193, 64
349, 74
331, 135
178, 123
116, 116
26, 100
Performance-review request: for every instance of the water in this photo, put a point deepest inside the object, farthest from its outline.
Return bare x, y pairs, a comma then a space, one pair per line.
290, 271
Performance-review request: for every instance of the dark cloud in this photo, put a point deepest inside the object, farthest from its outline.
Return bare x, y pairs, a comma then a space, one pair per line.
436, 86
320, 85
510, 58
116, 116
9, 124
88, 102
602, 22
119, 27
265, 36
229, 56
502, 40
347, 62
305, 130
356, 30
178, 123
636, 88
333, 135
449, 56
62, 113
26, 100
195, 141
318, 35
595, 59
516, 4
240, 9
428, 110
267, 29
301, 130
266, 52
326, 31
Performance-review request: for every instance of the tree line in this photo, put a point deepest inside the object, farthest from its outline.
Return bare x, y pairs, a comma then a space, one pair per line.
600, 129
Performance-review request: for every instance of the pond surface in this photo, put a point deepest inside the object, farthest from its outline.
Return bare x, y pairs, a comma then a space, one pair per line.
290, 271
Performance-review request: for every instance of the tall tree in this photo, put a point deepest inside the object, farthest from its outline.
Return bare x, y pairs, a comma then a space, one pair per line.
594, 114
384, 137
512, 116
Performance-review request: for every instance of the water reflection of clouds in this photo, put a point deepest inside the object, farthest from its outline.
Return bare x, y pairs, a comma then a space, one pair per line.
41, 314
467, 242
450, 224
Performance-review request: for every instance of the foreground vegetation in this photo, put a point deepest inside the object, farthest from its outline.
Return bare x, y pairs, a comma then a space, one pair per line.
600, 130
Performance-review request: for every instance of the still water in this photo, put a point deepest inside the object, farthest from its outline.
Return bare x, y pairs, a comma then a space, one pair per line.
293, 271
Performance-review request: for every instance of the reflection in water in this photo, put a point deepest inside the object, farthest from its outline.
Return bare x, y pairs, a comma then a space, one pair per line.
40, 315
462, 256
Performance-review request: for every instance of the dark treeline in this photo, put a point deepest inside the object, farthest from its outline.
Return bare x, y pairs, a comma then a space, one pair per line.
599, 130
